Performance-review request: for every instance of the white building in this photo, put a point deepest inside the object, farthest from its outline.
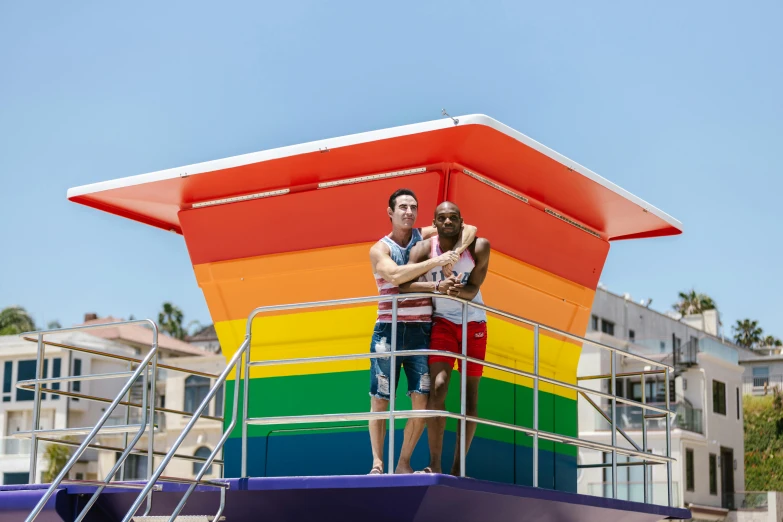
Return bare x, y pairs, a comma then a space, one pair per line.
707, 432
18, 362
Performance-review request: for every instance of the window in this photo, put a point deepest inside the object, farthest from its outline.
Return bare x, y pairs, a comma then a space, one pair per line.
684, 384
607, 327
594, 323
219, 401
25, 370
663, 346
631, 335
15, 478
689, 475
713, 474
8, 370
719, 397
738, 404
196, 389
761, 376
56, 368
203, 452
80, 476
77, 371
135, 467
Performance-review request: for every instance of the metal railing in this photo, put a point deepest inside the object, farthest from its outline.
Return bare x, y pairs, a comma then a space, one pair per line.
634, 491
686, 417
761, 385
109, 423
242, 358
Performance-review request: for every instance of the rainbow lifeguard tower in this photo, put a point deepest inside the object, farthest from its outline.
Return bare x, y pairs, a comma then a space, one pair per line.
279, 244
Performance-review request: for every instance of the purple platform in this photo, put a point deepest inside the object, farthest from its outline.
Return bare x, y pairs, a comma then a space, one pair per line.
380, 498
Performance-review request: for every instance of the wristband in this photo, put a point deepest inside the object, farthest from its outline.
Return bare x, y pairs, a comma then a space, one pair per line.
437, 285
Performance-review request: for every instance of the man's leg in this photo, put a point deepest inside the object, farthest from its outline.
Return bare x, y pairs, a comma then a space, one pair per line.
377, 434
441, 374
470, 429
413, 430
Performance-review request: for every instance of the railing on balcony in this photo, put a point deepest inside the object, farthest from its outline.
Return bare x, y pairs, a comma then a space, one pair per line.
762, 385
746, 500
634, 491
629, 418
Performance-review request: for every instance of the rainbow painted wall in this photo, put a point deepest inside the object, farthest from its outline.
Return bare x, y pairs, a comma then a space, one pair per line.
314, 245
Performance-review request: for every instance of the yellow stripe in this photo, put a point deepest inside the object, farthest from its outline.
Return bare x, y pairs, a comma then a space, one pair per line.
347, 331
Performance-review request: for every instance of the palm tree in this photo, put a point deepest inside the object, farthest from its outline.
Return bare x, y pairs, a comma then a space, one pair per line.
747, 333
692, 303
15, 320
56, 458
771, 341
170, 320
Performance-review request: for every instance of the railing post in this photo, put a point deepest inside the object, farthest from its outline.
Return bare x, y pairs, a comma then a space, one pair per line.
127, 422
36, 411
463, 407
535, 405
392, 382
614, 424
668, 440
245, 381
644, 437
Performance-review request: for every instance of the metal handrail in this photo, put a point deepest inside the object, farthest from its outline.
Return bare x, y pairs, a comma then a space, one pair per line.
117, 356
143, 370
392, 413
243, 354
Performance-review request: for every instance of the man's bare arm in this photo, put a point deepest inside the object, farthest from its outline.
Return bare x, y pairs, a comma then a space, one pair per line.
384, 265
477, 275
467, 237
419, 254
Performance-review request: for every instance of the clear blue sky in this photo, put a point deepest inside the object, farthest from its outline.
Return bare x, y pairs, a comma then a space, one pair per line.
678, 102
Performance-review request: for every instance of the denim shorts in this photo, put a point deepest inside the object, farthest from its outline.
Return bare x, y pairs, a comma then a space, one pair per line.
410, 336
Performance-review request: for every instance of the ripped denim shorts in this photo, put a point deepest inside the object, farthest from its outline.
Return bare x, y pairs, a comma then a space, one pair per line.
410, 336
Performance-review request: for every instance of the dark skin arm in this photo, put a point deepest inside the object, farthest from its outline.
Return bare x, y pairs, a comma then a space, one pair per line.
420, 253
480, 250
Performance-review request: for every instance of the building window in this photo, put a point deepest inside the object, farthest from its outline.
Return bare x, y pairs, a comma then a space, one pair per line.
56, 369
760, 376
203, 452
219, 401
196, 390
631, 335
80, 476
719, 397
16, 478
663, 346
594, 323
135, 467
8, 370
689, 475
25, 370
77, 371
607, 327
713, 474
738, 404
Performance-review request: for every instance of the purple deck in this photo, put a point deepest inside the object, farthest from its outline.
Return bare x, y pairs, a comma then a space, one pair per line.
415, 498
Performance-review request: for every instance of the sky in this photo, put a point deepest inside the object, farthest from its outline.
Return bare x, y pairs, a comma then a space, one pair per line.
678, 102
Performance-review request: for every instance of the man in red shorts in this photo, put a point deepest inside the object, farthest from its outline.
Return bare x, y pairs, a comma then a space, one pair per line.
464, 281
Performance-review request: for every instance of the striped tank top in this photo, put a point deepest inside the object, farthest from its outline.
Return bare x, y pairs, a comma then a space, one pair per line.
446, 308
408, 310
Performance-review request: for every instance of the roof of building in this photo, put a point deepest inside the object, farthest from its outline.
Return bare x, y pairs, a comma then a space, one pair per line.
141, 335
207, 333
475, 146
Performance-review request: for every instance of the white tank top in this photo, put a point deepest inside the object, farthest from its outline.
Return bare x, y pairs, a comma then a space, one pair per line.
446, 308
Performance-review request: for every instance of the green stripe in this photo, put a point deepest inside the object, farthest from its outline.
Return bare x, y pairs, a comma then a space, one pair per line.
347, 392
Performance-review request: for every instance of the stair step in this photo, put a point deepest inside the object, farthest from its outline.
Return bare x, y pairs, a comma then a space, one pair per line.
181, 518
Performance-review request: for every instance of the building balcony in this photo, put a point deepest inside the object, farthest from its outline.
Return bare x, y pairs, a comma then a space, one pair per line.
762, 385
629, 418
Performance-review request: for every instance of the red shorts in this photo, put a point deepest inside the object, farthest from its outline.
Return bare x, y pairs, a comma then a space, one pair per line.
447, 336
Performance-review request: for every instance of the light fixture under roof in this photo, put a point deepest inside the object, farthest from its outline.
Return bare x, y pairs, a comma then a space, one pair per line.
572, 222
496, 186
371, 177
246, 197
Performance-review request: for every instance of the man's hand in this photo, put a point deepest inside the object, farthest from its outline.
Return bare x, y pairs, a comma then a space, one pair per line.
445, 286
446, 258
454, 289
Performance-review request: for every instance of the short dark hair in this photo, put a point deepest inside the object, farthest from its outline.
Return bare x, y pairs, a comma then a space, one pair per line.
400, 192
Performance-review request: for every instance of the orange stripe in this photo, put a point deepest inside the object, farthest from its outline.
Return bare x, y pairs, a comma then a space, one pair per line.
234, 288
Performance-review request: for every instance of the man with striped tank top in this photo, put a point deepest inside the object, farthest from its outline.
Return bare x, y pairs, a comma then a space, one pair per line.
464, 280
389, 258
